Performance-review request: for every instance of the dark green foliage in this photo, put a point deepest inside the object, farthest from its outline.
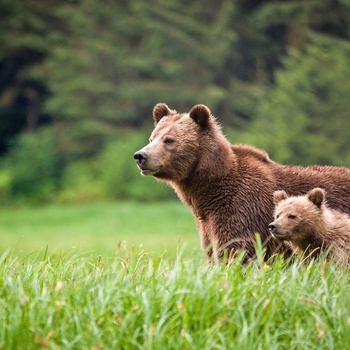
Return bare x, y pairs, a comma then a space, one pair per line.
38, 169
33, 165
120, 177
112, 175
303, 118
275, 72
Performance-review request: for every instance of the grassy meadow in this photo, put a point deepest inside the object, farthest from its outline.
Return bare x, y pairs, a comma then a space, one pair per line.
97, 227
139, 301
66, 283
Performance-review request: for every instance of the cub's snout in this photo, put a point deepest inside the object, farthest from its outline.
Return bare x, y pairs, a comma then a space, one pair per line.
277, 232
272, 227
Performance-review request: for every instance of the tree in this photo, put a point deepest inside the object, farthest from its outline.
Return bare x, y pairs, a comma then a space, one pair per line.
303, 118
112, 61
23, 27
92, 70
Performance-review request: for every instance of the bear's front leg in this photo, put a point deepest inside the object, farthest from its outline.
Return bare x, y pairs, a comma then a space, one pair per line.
204, 236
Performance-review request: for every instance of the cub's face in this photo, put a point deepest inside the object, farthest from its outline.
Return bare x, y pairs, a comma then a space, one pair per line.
290, 222
296, 217
174, 145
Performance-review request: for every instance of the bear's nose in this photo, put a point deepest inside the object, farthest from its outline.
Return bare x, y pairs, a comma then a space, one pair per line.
272, 227
140, 158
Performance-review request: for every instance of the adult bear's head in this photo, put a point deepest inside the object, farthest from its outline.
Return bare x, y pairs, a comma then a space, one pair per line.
177, 142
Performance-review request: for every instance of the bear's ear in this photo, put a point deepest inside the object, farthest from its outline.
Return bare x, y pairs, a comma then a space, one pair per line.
279, 196
317, 196
200, 114
160, 110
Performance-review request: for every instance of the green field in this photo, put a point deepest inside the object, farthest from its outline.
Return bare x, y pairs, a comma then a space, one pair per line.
138, 301
66, 283
98, 227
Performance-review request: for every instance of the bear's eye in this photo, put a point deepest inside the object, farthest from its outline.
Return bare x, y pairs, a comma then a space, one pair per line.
168, 141
290, 216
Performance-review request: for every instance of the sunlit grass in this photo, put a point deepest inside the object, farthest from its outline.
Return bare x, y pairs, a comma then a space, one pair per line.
98, 227
141, 301
76, 277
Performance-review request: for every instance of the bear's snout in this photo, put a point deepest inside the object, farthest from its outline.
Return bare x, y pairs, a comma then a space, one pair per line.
276, 232
140, 158
272, 227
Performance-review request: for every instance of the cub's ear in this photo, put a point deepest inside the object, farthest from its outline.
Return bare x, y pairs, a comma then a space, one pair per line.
279, 196
317, 196
161, 110
200, 114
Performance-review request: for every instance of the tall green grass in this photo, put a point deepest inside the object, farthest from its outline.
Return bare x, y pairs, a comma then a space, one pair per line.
96, 276
140, 301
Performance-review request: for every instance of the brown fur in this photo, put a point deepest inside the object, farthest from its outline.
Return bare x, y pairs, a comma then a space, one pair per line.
229, 188
310, 225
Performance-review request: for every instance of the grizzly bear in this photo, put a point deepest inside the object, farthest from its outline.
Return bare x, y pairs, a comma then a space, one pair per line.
311, 226
229, 188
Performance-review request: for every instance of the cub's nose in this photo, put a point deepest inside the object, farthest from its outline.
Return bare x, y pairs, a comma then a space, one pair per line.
140, 157
272, 227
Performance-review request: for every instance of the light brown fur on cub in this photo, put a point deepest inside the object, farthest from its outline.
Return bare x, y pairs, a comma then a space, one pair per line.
310, 225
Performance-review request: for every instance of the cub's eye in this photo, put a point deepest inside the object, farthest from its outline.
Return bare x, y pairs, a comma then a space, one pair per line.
290, 216
168, 141
150, 140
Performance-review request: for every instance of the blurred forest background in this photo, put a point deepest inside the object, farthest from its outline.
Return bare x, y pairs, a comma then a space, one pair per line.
79, 79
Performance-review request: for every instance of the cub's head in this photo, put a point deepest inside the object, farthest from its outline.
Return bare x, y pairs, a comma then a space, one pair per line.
175, 143
296, 217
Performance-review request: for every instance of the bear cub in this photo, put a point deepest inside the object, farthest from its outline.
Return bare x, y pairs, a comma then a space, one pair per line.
311, 226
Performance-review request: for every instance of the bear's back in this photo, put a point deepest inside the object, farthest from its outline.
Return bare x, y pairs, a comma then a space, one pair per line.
247, 151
